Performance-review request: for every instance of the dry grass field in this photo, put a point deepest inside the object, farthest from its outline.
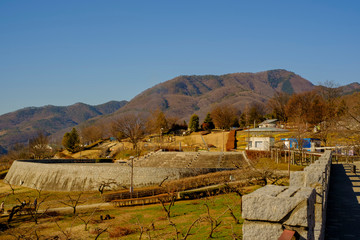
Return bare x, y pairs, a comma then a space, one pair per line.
124, 223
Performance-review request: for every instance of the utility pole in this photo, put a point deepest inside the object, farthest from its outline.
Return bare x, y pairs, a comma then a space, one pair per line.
223, 140
132, 176
161, 138
248, 138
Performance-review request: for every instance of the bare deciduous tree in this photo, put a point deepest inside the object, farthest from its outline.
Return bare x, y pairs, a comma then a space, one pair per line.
157, 121
214, 222
66, 232
106, 184
39, 146
100, 231
277, 105
307, 107
254, 113
91, 133
30, 232
72, 202
87, 220
10, 185
224, 116
147, 229
131, 126
34, 209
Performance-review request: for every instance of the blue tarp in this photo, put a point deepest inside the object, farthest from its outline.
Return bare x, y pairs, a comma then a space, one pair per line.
306, 142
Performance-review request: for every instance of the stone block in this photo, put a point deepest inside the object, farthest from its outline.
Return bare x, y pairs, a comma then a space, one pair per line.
318, 213
261, 230
277, 204
297, 179
313, 176
304, 213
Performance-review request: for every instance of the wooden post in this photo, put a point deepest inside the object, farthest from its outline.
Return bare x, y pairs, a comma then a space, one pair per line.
288, 166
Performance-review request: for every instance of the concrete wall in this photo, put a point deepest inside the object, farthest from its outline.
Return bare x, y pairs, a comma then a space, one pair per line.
266, 143
89, 176
301, 207
316, 176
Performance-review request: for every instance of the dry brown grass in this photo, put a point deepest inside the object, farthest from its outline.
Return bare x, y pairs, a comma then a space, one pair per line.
120, 231
126, 222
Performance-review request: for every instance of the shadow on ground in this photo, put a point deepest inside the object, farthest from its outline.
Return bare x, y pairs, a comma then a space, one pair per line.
343, 210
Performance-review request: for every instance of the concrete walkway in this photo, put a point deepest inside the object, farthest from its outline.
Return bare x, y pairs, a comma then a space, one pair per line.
343, 210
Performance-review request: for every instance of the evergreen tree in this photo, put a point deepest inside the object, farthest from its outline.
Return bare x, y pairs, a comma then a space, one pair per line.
208, 123
194, 123
71, 141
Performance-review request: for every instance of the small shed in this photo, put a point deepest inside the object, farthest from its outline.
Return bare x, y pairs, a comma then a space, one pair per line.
261, 143
269, 123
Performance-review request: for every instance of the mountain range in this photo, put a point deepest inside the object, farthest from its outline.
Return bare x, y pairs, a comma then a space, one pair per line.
21, 125
180, 97
186, 95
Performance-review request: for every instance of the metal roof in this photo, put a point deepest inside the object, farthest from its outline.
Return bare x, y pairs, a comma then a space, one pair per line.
265, 130
269, 121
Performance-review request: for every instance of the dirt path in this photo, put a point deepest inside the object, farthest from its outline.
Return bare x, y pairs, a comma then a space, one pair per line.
81, 207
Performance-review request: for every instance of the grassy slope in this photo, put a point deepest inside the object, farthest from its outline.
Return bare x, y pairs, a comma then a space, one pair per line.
127, 221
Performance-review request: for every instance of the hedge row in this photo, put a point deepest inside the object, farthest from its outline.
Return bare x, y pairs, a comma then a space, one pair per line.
231, 142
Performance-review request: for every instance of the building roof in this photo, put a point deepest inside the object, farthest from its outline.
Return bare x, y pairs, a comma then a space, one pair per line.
267, 121
265, 130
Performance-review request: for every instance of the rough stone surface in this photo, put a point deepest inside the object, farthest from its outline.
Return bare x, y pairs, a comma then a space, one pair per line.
313, 177
297, 179
304, 213
261, 231
274, 203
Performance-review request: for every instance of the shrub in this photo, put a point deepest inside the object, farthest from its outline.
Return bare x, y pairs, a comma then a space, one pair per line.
120, 231
255, 155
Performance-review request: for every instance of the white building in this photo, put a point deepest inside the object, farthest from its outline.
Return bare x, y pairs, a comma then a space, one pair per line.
270, 123
261, 143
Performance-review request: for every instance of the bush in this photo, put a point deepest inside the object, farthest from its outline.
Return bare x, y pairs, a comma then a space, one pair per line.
255, 155
120, 231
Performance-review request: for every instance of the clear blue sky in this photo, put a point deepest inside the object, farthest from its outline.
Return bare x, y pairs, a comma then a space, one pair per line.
63, 52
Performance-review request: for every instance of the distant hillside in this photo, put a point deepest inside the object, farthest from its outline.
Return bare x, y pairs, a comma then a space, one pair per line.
185, 95
180, 97
2, 150
350, 88
19, 126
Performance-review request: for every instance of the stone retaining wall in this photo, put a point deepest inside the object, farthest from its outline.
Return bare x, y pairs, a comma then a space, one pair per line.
88, 176
301, 207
